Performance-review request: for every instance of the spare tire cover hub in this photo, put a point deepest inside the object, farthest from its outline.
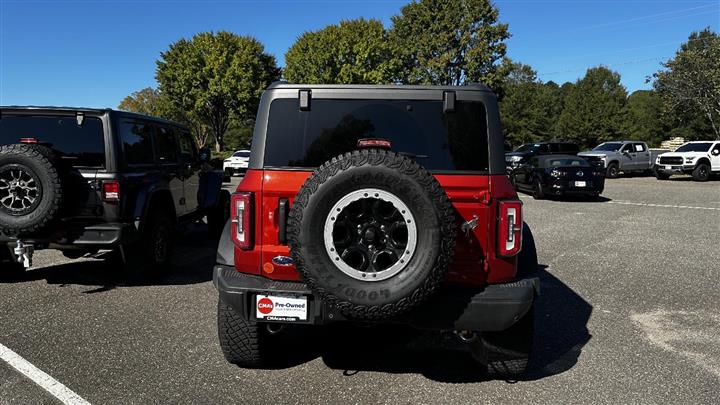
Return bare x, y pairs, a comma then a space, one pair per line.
370, 234
20, 191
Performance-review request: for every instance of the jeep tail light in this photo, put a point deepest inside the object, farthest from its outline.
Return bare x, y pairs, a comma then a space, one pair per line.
242, 224
111, 191
510, 227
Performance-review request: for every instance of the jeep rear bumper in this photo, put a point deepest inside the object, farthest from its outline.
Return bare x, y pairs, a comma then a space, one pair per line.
493, 308
101, 236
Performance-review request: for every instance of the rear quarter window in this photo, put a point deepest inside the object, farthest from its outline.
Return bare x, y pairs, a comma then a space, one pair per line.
453, 141
78, 145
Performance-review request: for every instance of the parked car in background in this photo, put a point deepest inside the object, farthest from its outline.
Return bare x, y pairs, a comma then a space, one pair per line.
526, 151
558, 175
623, 156
83, 180
700, 159
361, 206
237, 163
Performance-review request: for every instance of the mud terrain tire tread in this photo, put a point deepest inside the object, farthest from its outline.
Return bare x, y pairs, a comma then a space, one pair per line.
240, 339
52, 188
406, 167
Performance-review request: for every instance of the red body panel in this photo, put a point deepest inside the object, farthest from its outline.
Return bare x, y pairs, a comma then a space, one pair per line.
475, 261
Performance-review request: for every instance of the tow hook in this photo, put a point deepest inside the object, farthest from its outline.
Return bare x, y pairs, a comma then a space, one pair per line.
466, 336
24, 253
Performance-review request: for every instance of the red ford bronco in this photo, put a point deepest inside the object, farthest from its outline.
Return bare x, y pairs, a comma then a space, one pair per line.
378, 205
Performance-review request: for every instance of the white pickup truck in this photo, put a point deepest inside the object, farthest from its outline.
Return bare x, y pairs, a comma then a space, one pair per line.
700, 159
623, 156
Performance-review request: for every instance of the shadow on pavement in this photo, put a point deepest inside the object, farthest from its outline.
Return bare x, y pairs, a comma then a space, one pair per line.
192, 263
561, 317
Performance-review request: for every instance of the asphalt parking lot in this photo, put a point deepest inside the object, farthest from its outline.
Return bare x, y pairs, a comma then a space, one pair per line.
629, 313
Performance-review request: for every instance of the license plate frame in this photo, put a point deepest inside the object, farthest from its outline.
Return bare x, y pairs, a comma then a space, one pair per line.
281, 307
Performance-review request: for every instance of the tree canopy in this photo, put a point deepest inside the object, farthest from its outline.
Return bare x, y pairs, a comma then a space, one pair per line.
593, 108
147, 101
352, 52
450, 42
689, 84
215, 77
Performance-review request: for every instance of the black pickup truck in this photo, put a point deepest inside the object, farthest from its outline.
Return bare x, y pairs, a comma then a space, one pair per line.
83, 180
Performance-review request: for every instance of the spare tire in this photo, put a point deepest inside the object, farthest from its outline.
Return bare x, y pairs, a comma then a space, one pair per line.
372, 233
30, 188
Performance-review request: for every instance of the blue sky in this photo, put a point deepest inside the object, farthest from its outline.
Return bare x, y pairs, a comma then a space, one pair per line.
93, 53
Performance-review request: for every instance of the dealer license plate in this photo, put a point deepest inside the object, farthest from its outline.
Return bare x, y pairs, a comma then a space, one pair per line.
281, 308
580, 184
668, 167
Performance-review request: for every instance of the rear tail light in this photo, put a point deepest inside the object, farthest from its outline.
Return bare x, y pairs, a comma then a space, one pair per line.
374, 143
509, 227
111, 191
32, 141
242, 224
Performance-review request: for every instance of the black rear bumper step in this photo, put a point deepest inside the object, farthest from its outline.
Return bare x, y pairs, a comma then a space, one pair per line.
493, 308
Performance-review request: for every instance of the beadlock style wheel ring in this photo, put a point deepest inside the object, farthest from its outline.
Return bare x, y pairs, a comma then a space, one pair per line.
370, 234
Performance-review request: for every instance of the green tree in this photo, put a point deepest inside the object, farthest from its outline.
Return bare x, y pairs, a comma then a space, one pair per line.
352, 52
689, 84
643, 118
214, 78
148, 101
593, 108
450, 42
239, 134
529, 108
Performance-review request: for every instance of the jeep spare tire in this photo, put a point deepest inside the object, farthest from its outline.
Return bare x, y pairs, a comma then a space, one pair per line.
30, 188
372, 233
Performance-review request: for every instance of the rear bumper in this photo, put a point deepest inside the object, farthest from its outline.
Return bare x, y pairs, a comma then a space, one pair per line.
493, 308
564, 188
108, 236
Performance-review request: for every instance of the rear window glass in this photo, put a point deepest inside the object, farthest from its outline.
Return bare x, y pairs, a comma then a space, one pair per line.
566, 162
243, 154
418, 129
79, 145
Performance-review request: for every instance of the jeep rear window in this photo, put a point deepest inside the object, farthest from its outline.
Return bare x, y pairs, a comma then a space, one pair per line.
419, 129
79, 145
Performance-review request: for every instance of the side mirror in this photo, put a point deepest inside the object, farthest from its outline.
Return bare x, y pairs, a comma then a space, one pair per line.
205, 155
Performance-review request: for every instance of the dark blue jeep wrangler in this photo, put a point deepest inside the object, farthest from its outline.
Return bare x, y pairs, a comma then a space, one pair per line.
84, 180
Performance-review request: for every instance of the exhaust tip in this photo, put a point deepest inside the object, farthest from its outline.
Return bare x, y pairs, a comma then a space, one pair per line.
466, 335
274, 328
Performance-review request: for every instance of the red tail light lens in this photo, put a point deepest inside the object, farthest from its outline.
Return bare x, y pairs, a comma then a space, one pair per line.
111, 191
31, 141
374, 143
510, 227
241, 211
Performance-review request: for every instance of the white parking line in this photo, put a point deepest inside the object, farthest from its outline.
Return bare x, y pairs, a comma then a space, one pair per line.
39, 377
663, 205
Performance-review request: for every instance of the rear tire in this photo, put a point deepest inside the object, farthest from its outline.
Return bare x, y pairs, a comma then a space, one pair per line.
151, 256
538, 192
701, 172
243, 342
506, 354
527, 258
613, 171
